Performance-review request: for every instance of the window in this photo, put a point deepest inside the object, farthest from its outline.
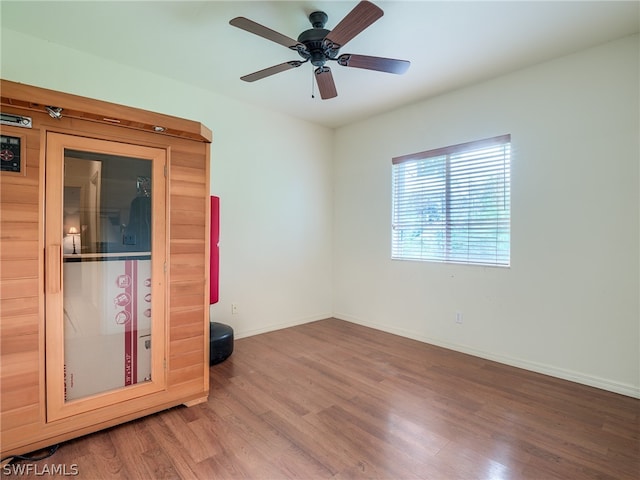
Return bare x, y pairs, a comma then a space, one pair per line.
453, 204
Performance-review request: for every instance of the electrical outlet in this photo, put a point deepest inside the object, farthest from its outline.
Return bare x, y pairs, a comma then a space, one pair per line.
458, 318
234, 308
129, 239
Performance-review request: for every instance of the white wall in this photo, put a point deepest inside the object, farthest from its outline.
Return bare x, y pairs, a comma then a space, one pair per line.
276, 204
569, 303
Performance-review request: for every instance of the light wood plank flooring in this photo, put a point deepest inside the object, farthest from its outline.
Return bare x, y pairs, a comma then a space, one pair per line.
334, 400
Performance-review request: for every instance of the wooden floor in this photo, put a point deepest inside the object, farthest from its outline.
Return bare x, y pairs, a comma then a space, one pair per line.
334, 400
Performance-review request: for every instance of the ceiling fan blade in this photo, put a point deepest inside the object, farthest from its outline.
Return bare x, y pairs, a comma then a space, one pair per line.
389, 65
252, 77
262, 31
363, 15
326, 85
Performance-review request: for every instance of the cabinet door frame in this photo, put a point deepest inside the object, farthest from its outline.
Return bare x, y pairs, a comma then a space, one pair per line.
56, 143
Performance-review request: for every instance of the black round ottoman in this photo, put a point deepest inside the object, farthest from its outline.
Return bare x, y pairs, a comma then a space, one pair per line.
220, 342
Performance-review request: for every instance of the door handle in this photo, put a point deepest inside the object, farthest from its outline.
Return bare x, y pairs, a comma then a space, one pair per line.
54, 268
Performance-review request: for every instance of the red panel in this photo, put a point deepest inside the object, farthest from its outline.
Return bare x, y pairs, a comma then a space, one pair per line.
215, 250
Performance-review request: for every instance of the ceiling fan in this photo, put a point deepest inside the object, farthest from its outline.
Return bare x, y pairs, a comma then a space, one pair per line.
319, 45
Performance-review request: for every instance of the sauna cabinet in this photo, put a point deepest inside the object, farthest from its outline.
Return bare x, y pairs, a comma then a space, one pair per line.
104, 284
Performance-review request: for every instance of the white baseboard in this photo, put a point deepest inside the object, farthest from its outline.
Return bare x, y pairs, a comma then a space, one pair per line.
592, 381
279, 326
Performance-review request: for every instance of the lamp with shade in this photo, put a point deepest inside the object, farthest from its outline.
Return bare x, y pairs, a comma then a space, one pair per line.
73, 231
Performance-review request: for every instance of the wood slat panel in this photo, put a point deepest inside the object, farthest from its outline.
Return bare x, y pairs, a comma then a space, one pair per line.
18, 288
182, 375
17, 344
193, 358
181, 203
188, 260
33, 147
187, 266
19, 212
18, 417
19, 306
184, 347
17, 231
183, 217
17, 383
29, 177
188, 331
13, 325
188, 189
18, 192
187, 273
17, 398
14, 269
19, 363
185, 288
188, 174
14, 249
187, 245
186, 301
188, 232
185, 314
19, 373
177, 277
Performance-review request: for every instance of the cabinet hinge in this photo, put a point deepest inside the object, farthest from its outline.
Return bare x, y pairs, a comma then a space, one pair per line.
165, 267
164, 363
165, 170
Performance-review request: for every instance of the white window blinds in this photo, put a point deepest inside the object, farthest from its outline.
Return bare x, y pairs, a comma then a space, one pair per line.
453, 204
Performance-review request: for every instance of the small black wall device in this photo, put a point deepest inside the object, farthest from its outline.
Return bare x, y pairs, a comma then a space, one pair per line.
10, 160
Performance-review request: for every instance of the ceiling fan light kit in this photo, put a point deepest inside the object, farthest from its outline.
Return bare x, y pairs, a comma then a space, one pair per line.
319, 45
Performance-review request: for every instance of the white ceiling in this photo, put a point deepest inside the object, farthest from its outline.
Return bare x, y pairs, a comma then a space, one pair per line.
450, 44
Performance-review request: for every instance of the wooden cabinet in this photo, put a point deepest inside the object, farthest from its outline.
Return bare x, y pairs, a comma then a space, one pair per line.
104, 250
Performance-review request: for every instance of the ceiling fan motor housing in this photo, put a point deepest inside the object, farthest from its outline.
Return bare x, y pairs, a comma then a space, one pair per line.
316, 49
318, 19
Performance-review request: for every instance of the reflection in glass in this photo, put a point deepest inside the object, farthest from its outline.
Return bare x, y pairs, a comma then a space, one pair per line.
107, 272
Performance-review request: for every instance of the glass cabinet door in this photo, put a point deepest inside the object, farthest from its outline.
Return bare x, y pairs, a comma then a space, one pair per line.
105, 234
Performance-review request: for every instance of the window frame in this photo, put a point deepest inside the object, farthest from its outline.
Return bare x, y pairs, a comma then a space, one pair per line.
447, 254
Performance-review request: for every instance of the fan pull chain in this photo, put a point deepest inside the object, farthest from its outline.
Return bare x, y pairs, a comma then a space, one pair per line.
313, 84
